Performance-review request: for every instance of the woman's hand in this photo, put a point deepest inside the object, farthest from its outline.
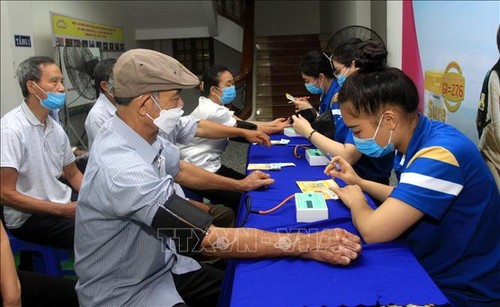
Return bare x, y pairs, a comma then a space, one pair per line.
351, 195
302, 103
301, 125
340, 168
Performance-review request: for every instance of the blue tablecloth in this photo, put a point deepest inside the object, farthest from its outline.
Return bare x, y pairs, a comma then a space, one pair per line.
385, 273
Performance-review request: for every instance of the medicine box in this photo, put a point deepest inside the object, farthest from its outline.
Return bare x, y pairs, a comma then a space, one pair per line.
289, 131
315, 157
311, 207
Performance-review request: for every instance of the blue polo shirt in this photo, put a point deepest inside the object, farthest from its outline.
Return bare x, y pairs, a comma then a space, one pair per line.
324, 102
457, 240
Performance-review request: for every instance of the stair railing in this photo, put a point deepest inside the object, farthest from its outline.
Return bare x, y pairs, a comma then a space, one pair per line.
243, 80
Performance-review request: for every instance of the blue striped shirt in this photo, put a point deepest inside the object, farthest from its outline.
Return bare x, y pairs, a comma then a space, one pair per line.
120, 259
456, 241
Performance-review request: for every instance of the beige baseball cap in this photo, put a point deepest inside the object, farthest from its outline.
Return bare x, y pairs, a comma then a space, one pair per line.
140, 71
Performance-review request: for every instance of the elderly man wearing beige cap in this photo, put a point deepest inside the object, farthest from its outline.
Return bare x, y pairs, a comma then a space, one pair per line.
131, 227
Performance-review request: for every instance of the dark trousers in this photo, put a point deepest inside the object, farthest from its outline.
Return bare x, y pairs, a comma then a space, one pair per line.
223, 197
46, 230
39, 290
42, 290
201, 287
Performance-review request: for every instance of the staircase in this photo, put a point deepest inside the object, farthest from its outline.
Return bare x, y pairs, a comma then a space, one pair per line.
278, 72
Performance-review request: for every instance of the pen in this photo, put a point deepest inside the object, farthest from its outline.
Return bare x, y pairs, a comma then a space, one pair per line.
330, 157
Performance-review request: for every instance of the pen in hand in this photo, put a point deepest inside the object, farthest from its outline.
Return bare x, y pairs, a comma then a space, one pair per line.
337, 166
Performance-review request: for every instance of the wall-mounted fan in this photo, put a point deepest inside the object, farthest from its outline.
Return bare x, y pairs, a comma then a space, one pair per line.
79, 63
346, 33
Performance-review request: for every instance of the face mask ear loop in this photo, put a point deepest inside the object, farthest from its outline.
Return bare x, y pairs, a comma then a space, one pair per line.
378, 126
390, 138
156, 103
39, 89
347, 71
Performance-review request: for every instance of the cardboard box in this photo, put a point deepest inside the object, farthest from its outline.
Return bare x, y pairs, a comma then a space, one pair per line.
315, 157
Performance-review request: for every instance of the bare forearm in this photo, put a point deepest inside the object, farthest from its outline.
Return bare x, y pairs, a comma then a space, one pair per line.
198, 178
252, 243
73, 175
208, 129
376, 190
327, 145
29, 204
361, 213
334, 246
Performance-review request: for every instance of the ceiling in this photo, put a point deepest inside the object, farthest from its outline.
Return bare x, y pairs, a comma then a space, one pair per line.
171, 15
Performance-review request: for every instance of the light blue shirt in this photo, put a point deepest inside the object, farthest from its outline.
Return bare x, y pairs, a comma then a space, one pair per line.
119, 259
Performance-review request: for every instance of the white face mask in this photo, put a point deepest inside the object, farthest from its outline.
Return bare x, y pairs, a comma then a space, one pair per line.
167, 120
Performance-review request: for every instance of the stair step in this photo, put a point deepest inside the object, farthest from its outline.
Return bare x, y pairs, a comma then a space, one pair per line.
271, 61
288, 38
278, 72
292, 48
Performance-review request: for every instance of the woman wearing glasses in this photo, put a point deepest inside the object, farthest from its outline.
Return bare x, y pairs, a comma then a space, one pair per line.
377, 168
446, 204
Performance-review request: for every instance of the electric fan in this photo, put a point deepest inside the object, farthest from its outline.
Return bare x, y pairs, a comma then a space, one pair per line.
79, 64
346, 33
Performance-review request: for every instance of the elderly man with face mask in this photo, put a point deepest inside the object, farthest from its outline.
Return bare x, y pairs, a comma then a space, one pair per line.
130, 225
35, 153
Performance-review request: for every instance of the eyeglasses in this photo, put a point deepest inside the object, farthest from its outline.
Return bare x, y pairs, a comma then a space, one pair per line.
337, 72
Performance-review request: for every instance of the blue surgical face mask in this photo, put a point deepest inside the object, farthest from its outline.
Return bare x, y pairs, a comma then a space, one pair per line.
54, 100
370, 148
341, 79
228, 94
313, 89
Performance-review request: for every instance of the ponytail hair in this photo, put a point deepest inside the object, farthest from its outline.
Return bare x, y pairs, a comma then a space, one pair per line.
210, 78
370, 55
317, 62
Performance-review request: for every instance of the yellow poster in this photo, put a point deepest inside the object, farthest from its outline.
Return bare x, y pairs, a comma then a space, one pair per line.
69, 31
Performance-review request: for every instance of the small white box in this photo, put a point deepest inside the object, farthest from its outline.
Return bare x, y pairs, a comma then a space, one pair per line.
315, 157
311, 207
289, 131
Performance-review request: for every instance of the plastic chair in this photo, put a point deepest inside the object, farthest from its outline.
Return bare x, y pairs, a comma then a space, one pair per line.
46, 260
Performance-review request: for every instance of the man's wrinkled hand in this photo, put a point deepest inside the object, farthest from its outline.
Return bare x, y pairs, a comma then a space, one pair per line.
256, 180
335, 246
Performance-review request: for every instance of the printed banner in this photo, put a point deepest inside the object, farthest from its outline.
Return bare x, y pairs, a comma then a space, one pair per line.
73, 32
456, 45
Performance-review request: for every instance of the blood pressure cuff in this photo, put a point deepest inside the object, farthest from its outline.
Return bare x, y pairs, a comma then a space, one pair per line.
243, 125
182, 222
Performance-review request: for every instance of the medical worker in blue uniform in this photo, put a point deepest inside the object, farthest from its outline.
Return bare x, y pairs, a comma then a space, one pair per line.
341, 64
446, 205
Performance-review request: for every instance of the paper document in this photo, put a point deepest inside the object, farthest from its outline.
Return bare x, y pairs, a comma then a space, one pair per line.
268, 166
280, 142
320, 186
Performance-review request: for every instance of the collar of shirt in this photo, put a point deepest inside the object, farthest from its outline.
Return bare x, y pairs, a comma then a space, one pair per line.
149, 152
107, 104
33, 119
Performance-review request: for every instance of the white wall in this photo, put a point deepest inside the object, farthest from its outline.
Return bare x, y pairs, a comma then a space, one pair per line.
11, 56
286, 17
394, 33
336, 15
33, 18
